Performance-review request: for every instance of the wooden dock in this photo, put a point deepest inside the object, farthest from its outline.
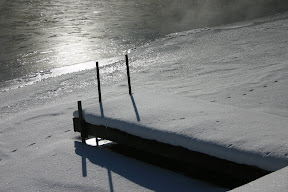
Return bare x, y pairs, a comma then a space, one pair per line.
194, 164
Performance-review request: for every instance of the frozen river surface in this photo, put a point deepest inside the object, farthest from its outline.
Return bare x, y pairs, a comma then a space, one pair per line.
37, 36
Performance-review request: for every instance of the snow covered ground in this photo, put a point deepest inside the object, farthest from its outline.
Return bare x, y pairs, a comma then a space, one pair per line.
242, 67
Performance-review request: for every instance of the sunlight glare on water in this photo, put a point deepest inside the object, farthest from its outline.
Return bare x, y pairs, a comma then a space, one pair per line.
38, 36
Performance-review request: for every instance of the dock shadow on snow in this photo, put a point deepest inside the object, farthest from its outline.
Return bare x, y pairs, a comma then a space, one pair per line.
135, 171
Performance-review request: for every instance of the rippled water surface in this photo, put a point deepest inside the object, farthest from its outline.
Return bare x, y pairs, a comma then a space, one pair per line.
39, 35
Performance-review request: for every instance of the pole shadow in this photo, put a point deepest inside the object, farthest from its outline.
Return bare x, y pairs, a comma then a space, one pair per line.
85, 153
135, 108
84, 167
110, 180
101, 110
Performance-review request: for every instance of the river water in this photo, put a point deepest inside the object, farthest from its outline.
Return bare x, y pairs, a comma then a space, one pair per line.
39, 35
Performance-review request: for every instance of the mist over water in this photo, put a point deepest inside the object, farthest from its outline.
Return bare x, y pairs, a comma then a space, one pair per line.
39, 35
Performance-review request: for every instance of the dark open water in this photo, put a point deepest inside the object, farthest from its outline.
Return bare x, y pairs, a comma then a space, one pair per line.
39, 35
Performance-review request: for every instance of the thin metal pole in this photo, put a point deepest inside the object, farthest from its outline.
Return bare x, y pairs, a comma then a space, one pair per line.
98, 80
128, 74
82, 126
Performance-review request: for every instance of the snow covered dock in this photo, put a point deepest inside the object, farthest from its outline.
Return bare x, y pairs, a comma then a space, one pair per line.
235, 134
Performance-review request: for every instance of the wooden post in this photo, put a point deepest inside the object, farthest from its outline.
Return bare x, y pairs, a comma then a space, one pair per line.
128, 74
97, 141
82, 123
98, 81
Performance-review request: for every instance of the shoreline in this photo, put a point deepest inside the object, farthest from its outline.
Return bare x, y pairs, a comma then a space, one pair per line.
58, 71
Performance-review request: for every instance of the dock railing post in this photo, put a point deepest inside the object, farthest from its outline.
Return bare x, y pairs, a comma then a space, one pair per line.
128, 74
98, 81
84, 134
99, 94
